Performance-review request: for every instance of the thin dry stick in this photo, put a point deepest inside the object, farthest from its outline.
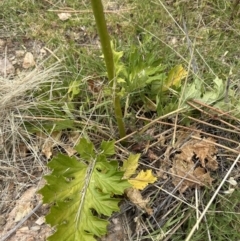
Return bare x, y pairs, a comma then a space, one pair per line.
212, 116
12, 231
197, 203
88, 11
181, 98
177, 227
216, 110
216, 144
159, 118
172, 195
192, 63
207, 227
174, 20
191, 48
59, 119
140, 131
51, 52
212, 199
194, 130
208, 124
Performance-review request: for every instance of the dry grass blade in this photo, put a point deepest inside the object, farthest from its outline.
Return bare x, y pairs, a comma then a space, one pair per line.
17, 96
212, 199
13, 92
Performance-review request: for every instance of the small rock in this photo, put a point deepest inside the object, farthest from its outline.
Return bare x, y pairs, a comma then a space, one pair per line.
174, 41
2, 43
35, 228
28, 61
40, 220
23, 229
12, 58
64, 16
19, 53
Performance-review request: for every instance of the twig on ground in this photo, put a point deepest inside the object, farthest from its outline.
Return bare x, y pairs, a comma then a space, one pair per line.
88, 11
12, 231
211, 200
191, 50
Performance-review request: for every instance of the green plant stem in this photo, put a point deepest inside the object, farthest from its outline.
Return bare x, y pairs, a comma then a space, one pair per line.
97, 8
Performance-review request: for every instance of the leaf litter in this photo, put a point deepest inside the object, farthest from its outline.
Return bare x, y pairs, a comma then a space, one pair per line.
191, 167
136, 198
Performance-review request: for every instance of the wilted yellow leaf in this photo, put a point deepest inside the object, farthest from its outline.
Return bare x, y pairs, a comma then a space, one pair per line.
142, 179
130, 165
175, 76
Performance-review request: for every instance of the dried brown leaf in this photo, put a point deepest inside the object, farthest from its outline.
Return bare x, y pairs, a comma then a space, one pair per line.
203, 176
206, 150
49, 143
135, 197
184, 172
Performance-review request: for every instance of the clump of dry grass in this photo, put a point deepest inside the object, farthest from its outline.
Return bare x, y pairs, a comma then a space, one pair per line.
15, 92
17, 96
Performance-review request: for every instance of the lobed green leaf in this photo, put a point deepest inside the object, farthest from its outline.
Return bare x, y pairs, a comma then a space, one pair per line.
82, 192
